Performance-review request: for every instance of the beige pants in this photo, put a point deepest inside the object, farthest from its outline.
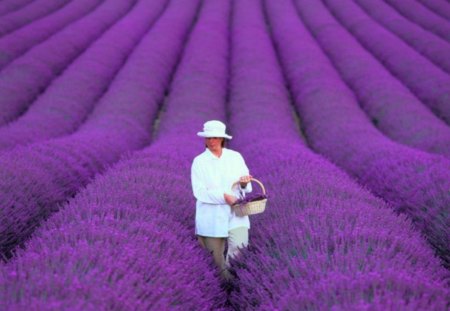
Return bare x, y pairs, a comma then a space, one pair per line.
237, 238
216, 246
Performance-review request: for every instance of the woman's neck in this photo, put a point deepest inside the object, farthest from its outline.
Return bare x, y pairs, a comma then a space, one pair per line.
217, 152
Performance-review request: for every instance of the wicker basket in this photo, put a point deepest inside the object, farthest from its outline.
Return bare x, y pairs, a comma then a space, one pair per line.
250, 208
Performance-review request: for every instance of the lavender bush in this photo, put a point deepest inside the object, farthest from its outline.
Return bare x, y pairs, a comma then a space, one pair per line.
428, 82
119, 256
28, 76
323, 242
388, 103
426, 43
422, 16
414, 182
79, 87
37, 178
21, 40
130, 208
9, 6
35, 10
438, 6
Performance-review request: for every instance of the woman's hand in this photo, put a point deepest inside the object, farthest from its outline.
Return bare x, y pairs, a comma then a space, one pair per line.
230, 199
244, 180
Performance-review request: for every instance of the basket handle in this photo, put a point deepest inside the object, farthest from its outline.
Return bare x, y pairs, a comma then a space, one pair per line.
252, 179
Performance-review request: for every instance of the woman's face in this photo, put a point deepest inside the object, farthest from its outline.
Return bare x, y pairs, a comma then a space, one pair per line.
214, 143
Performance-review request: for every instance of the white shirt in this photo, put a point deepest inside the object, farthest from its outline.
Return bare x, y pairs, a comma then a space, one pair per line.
212, 177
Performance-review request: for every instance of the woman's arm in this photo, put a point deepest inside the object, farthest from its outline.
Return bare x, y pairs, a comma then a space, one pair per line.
245, 179
201, 192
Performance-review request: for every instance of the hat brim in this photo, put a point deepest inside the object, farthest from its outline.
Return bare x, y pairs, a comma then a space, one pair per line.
212, 134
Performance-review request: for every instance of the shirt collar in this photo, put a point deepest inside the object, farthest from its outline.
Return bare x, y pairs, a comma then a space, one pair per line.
210, 155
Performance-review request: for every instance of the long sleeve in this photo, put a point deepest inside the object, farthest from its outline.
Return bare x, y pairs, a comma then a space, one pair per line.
200, 190
245, 171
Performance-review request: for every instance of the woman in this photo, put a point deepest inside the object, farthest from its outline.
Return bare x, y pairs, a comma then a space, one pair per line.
213, 173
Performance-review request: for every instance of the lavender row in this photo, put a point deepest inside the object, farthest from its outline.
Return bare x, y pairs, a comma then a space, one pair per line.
18, 42
35, 10
79, 87
423, 17
110, 257
28, 76
428, 82
154, 185
389, 104
434, 48
320, 228
37, 178
197, 93
9, 6
440, 7
413, 182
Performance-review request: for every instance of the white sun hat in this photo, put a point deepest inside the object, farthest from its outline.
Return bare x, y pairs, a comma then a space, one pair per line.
214, 128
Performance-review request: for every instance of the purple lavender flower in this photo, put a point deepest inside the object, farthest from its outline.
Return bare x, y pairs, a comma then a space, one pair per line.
10, 6
388, 103
426, 43
18, 42
69, 99
125, 238
325, 242
22, 80
422, 16
439, 7
37, 178
22, 16
429, 83
136, 219
413, 182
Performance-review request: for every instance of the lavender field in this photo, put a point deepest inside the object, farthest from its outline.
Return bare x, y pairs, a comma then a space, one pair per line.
340, 107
